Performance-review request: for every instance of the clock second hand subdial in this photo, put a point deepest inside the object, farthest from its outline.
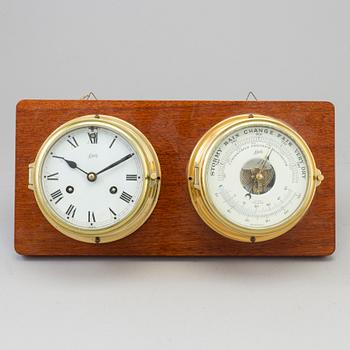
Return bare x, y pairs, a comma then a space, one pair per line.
115, 163
71, 164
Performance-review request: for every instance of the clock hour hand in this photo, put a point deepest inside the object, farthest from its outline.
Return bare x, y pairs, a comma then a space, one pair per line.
116, 163
72, 164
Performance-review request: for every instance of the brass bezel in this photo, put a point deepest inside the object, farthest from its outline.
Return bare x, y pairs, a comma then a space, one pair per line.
197, 180
148, 197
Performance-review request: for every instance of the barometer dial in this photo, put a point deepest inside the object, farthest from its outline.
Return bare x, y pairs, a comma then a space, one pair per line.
94, 178
252, 178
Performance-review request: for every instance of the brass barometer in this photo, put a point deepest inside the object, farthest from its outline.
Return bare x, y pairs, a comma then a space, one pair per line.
96, 178
252, 178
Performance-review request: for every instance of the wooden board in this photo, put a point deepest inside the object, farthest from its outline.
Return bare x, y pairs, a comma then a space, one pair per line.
174, 228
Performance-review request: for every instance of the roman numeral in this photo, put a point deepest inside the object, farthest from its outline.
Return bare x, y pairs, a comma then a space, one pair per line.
131, 177
73, 142
110, 146
57, 195
71, 210
93, 137
110, 209
126, 197
91, 216
52, 177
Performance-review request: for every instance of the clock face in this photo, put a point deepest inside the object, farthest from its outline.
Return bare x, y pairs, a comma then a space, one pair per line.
92, 177
257, 176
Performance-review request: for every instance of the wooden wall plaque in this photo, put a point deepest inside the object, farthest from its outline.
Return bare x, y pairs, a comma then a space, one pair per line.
174, 228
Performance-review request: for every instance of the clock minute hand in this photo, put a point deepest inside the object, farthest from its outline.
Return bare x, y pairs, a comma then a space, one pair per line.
116, 163
72, 164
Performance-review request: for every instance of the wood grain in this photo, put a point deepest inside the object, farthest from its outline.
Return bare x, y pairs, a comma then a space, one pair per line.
174, 228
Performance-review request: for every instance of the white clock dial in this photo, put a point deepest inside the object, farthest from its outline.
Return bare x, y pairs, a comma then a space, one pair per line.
257, 176
92, 177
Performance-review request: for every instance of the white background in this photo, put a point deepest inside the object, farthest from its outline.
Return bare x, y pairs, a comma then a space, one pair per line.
283, 50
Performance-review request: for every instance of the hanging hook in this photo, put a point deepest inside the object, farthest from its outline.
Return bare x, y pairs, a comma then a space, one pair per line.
88, 96
251, 93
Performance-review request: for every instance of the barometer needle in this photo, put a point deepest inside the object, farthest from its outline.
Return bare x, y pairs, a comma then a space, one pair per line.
265, 160
72, 164
258, 176
249, 194
116, 163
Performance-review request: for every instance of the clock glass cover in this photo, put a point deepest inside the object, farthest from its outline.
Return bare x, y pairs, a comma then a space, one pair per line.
252, 178
94, 176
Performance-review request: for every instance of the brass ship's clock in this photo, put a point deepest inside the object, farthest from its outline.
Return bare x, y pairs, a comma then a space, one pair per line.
96, 178
252, 178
